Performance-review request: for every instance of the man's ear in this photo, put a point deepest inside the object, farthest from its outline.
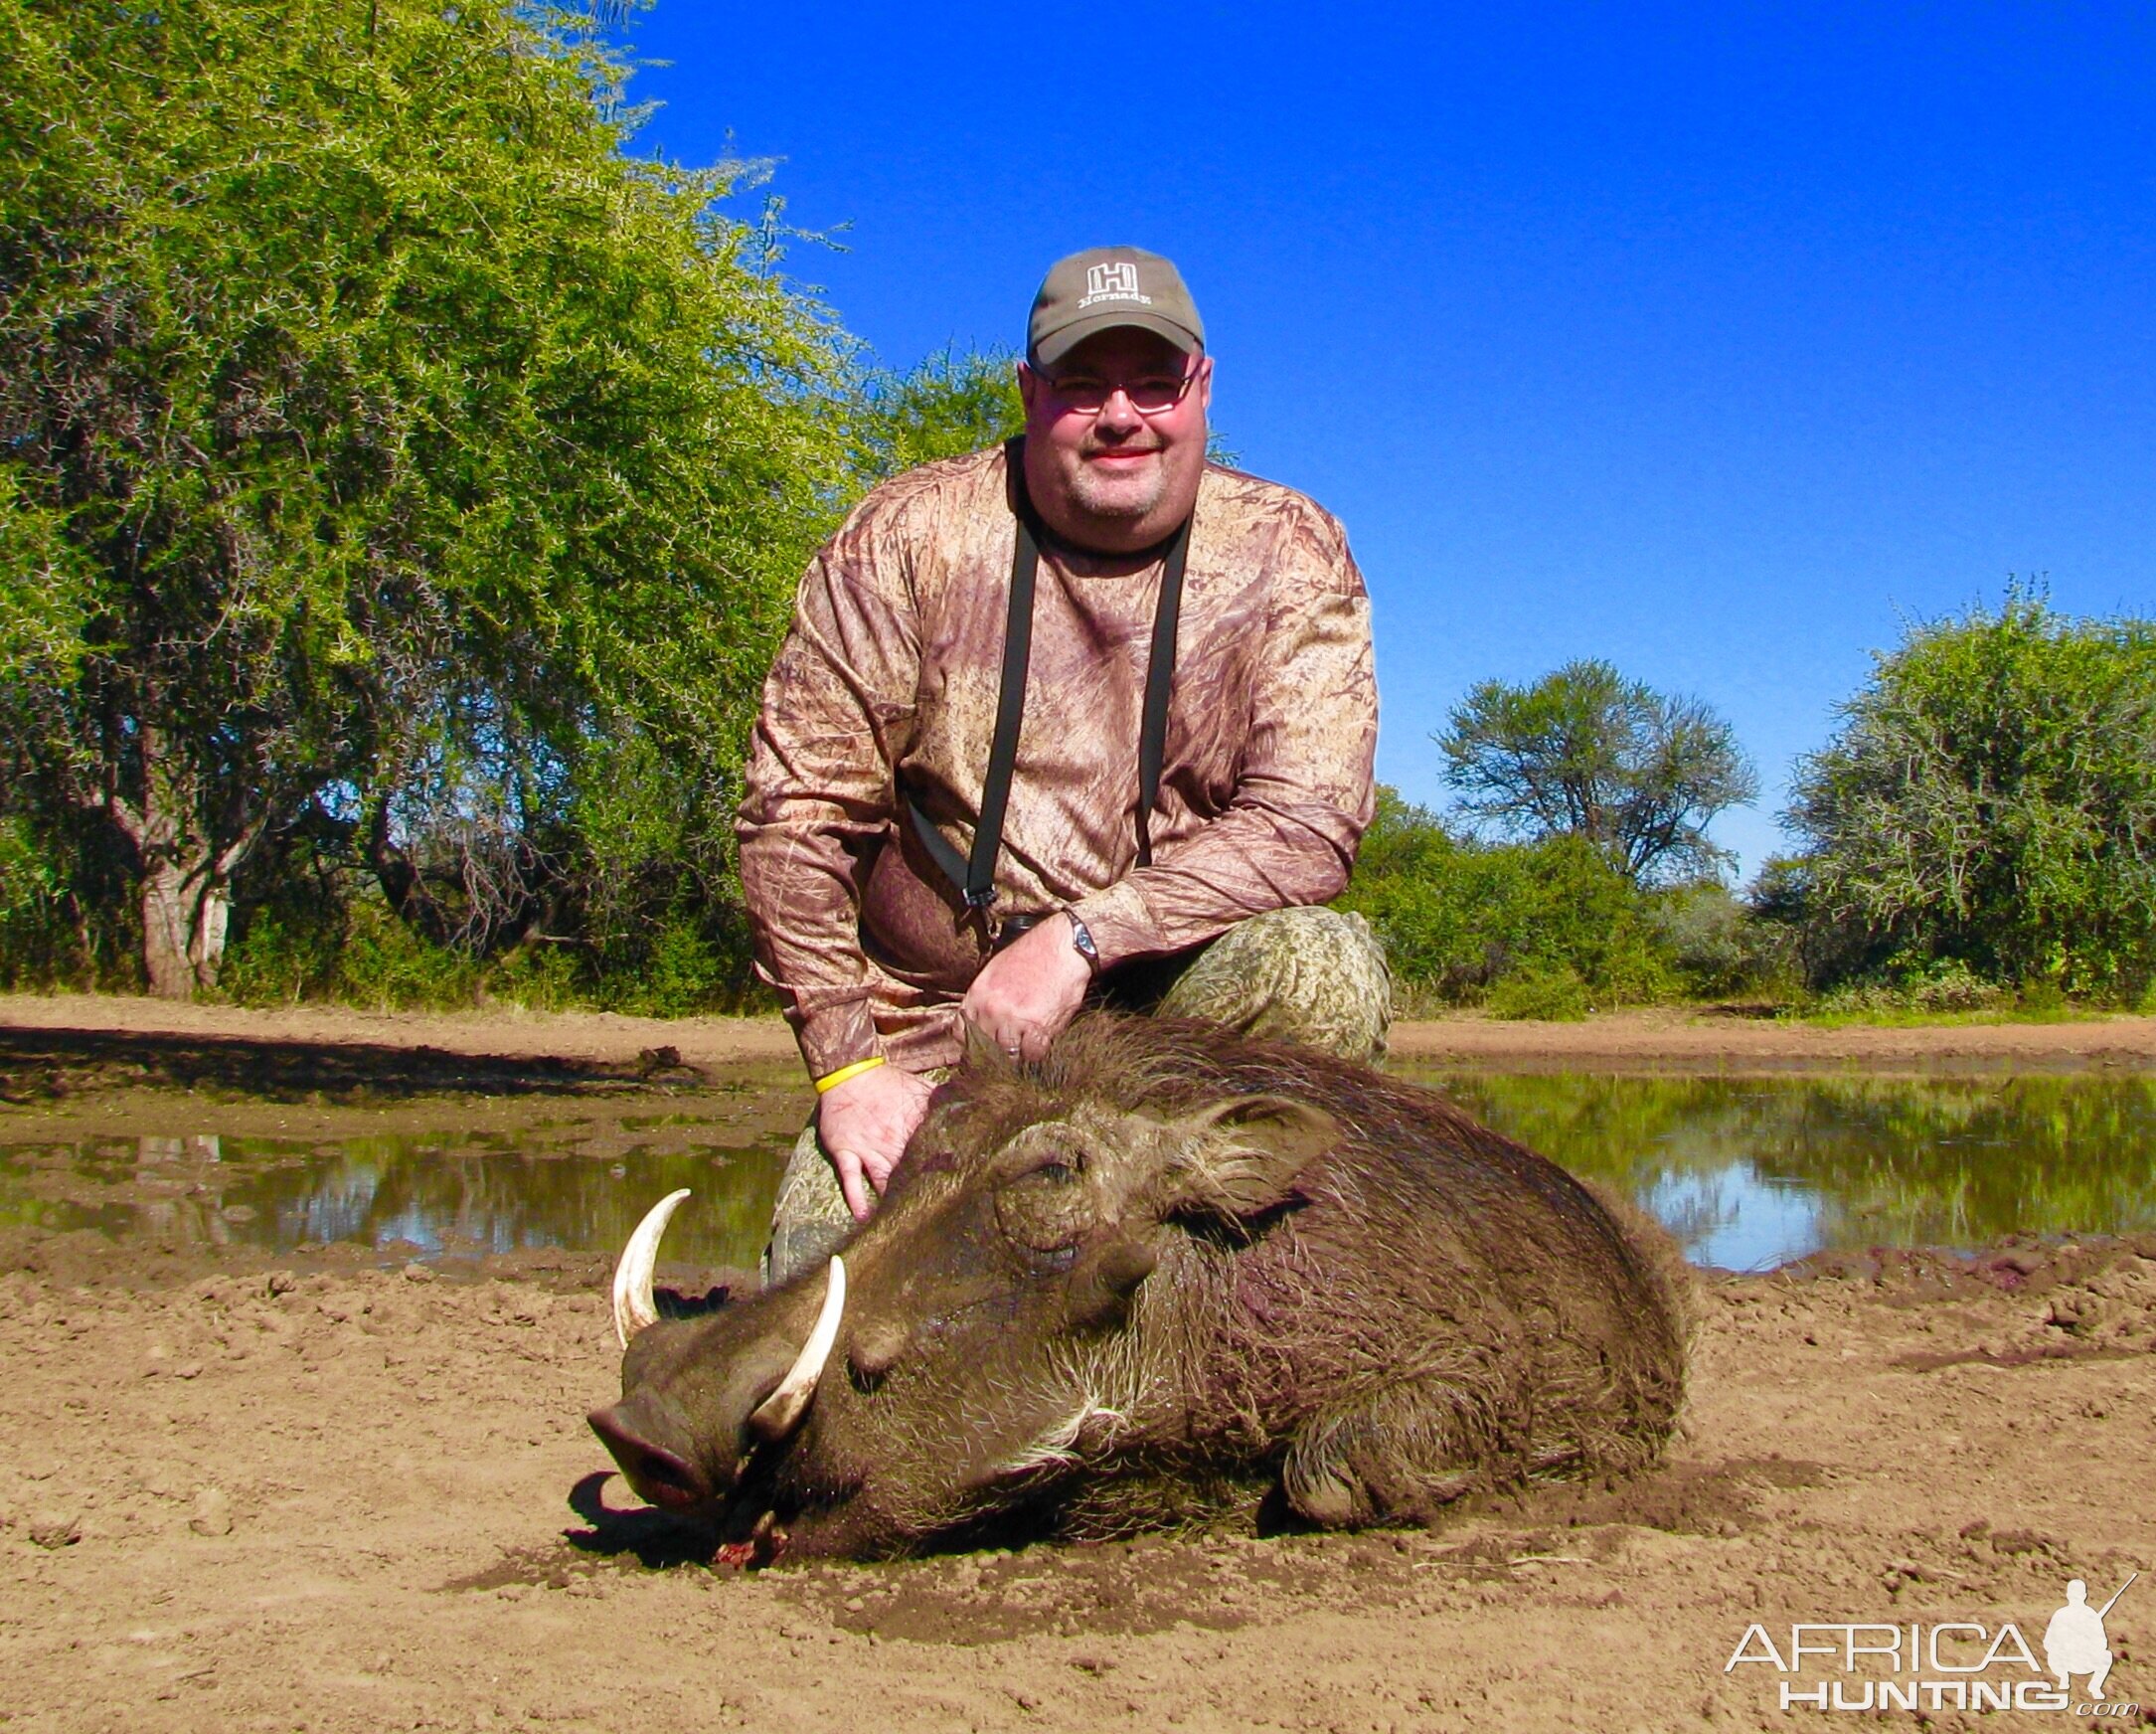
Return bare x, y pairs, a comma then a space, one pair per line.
1234, 1160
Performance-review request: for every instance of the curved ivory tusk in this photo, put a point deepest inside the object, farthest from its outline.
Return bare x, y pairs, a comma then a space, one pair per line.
633, 1306
780, 1412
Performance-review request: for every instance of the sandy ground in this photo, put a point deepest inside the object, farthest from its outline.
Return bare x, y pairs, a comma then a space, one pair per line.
1673, 1039
317, 1495
331, 1497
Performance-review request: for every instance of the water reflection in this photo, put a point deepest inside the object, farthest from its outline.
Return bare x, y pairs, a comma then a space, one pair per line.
409, 1196
1750, 1174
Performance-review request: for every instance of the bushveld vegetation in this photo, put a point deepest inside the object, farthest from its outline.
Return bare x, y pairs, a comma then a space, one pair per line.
402, 484
1978, 836
404, 487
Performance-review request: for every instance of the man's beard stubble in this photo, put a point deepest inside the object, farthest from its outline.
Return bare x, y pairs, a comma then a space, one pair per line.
1100, 497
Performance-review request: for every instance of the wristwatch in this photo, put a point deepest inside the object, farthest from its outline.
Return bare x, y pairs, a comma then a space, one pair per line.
1081, 940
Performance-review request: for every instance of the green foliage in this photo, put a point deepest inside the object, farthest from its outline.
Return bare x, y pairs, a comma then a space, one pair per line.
947, 407
383, 442
1460, 918
1584, 753
1550, 993
1988, 809
1718, 946
383, 965
282, 959
359, 954
33, 924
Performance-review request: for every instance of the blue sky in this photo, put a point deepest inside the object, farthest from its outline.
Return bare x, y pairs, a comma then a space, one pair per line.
1717, 341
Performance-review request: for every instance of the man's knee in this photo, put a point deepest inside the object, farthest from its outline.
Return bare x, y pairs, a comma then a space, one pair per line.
810, 1217
1316, 976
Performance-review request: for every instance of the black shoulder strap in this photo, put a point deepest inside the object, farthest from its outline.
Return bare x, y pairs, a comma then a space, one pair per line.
980, 880
975, 875
1159, 678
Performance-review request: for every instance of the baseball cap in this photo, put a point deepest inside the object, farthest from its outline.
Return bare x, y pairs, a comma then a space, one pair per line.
1106, 287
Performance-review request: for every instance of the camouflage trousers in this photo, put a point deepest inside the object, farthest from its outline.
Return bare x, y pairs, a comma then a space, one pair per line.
1309, 976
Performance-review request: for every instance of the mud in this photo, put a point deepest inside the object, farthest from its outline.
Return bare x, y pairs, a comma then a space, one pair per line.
597, 1051
314, 1495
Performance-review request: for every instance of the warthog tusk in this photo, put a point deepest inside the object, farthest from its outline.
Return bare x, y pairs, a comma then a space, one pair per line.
780, 1412
633, 1306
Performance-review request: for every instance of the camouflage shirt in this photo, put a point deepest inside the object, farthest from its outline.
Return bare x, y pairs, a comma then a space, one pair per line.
885, 689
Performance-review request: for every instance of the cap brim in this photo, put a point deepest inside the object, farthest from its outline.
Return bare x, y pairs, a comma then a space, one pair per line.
1058, 345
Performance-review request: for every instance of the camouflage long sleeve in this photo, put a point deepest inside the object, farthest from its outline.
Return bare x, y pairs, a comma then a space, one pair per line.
886, 691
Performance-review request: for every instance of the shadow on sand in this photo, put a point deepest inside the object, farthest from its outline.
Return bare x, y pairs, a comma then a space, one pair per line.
47, 1063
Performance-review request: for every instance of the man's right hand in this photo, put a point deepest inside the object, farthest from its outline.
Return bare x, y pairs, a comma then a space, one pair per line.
863, 1123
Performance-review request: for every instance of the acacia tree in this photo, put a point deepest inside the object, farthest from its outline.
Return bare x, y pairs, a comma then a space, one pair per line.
949, 405
375, 436
1990, 797
1586, 753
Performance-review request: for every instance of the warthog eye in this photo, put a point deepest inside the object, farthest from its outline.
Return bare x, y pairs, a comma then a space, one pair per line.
1046, 1209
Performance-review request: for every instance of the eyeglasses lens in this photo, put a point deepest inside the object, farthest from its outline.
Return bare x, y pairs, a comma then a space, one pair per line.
1149, 397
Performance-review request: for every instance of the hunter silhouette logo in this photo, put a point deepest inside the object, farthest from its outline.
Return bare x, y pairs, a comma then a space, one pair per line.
1958, 1664
2074, 1642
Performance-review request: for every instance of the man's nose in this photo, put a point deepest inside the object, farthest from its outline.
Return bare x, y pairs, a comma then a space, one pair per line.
1118, 414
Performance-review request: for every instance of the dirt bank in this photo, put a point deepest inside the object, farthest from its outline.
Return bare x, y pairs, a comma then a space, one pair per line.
323, 1046
325, 1496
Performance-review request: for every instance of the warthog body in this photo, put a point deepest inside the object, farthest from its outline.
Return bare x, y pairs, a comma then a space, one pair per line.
1165, 1276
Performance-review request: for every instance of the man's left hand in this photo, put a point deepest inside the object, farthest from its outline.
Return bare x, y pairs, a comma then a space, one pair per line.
1026, 993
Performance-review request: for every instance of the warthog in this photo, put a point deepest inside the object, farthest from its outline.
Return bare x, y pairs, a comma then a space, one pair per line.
1165, 1276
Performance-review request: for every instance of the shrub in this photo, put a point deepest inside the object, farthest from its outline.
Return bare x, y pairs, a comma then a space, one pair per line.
1717, 944
282, 958
1458, 916
1553, 993
1990, 801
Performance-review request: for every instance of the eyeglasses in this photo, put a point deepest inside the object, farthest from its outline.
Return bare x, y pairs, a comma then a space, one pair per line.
1154, 394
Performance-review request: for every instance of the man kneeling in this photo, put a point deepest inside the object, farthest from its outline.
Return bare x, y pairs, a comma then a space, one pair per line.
1078, 717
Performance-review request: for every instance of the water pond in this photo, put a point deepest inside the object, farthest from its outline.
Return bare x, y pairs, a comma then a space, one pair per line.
1749, 1174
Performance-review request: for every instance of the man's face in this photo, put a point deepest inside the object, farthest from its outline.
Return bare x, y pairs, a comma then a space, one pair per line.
1116, 438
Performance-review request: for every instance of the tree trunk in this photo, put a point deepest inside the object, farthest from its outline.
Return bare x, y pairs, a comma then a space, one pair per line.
186, 894
184, 919
213, 916
165, 933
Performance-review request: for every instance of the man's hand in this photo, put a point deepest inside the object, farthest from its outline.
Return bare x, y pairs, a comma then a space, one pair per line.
1024, 995
863, 1123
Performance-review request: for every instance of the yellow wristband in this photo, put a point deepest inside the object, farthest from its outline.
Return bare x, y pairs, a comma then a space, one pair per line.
832, 1079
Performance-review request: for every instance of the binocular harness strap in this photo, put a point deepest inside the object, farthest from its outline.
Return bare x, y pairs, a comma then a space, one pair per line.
975, 875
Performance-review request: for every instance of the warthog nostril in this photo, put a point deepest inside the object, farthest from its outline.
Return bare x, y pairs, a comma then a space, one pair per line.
662, 1476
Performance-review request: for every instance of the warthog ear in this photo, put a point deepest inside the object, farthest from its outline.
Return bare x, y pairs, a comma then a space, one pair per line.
1239, 1160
